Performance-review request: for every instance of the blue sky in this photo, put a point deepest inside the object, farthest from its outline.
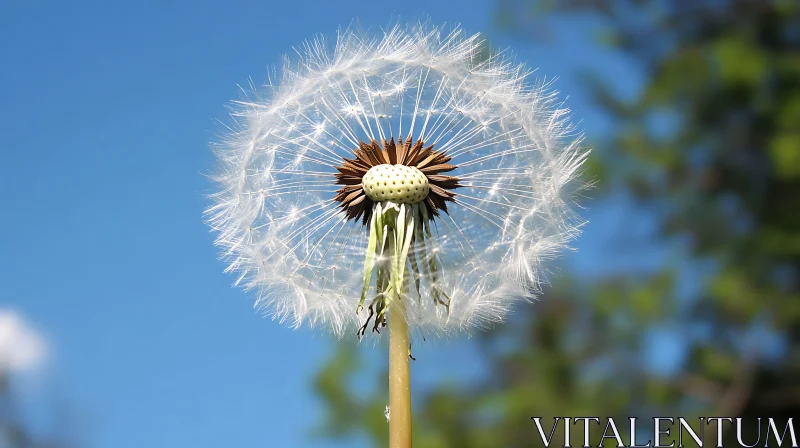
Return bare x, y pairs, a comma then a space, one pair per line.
106, 112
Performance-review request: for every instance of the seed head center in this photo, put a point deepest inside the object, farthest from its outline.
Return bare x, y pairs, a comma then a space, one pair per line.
397, 183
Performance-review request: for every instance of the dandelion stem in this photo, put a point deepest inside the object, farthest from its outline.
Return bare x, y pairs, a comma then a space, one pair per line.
399, 379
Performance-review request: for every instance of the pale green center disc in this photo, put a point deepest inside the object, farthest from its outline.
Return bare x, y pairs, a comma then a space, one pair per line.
397, 183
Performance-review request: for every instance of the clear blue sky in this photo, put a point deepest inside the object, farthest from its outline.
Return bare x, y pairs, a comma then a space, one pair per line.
106, 111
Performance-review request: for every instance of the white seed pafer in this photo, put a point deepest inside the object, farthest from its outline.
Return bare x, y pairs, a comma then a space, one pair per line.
397, 183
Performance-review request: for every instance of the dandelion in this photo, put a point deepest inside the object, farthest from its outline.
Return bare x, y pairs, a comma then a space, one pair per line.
21, 347
411, 179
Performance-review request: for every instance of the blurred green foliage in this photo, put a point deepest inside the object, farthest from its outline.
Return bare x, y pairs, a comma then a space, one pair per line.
721, 171
15, 432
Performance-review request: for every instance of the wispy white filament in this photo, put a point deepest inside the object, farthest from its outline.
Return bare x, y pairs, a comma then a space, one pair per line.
283, 234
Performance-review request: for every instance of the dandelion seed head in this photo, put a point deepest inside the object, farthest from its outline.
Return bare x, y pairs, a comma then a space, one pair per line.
516, 156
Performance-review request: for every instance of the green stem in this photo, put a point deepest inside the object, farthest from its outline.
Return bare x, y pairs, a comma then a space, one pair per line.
399, 368
399, 379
